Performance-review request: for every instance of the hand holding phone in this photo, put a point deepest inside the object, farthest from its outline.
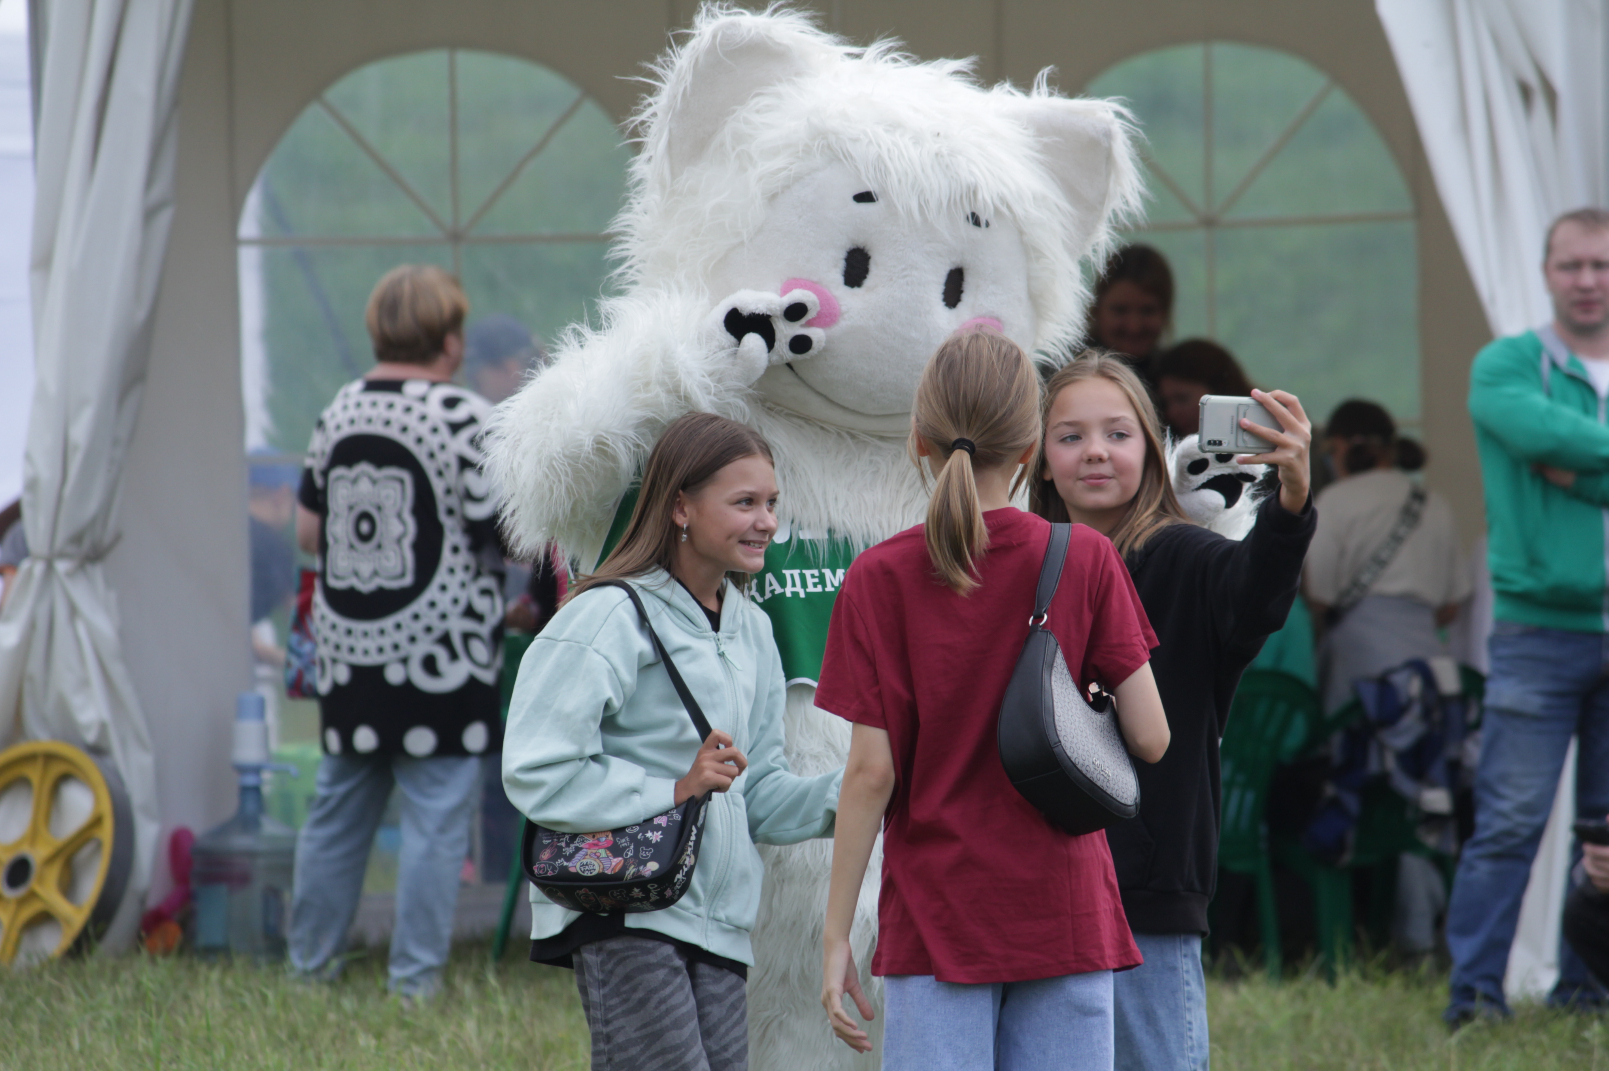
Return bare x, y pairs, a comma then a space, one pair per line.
1221, 432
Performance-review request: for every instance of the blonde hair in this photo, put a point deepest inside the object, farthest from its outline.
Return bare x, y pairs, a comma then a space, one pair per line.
982, 388
1154, 506
412, 310
687, 456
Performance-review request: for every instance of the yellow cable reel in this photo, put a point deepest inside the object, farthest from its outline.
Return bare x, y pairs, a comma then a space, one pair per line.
66, 845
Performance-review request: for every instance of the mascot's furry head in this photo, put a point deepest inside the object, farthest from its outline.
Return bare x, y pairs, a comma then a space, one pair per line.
1215, 492
807, 221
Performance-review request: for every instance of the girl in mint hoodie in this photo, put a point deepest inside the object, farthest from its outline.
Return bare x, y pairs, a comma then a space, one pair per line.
597, 739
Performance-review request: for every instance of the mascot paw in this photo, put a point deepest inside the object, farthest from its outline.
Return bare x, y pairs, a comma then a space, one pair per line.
761, 329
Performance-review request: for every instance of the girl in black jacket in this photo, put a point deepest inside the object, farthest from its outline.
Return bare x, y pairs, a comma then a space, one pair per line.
1212, 602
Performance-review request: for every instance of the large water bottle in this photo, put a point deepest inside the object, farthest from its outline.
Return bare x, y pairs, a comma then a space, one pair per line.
242, 869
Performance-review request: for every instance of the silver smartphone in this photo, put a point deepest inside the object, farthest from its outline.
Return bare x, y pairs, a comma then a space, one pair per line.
1221, 432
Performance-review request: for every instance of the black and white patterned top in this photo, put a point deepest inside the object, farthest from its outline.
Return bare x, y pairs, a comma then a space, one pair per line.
408, 614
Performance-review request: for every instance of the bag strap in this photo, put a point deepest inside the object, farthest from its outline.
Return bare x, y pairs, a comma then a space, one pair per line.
693, 711
1050, 572
1359, 585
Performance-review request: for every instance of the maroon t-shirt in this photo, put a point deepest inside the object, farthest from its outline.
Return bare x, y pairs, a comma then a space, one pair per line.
977, 885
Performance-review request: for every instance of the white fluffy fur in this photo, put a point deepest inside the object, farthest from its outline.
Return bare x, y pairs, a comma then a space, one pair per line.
930, 142
746, 109
1208, 506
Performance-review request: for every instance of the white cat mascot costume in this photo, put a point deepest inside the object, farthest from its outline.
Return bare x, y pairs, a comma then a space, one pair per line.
806, 222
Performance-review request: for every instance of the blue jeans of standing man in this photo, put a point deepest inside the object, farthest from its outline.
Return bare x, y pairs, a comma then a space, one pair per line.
1050, 1024
1160, 1007
1546, 685
332, 852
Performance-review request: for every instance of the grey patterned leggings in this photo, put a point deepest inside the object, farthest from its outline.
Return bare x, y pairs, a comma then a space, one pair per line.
649, 1007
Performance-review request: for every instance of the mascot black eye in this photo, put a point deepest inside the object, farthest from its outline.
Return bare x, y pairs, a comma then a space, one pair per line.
865, 197
1197, 467
857, 262
953, 283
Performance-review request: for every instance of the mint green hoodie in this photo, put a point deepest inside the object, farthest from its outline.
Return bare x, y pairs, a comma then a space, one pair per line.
1533, 404
597, 738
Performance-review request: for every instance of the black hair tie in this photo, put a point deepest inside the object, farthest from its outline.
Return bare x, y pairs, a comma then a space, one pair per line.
965, 444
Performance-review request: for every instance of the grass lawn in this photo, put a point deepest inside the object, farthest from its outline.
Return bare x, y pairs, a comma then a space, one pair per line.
137, 1012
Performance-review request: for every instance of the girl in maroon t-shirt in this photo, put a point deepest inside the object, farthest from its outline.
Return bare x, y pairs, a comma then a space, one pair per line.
998, 932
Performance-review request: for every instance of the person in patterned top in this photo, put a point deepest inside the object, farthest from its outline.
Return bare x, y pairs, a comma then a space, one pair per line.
408, 618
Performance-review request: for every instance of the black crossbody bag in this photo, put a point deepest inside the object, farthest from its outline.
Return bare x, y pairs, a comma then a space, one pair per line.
1064, 754
641, 867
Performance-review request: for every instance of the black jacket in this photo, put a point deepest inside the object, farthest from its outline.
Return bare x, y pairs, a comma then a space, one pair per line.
1212, 602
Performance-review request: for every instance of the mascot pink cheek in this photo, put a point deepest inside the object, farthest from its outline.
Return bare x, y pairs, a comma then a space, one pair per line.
981, 323
829, 305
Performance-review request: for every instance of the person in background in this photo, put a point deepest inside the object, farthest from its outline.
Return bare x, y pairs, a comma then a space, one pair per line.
1586, 910
1133, 307
408, 614
499, 353
1188, 371
1384, 574
13, 546
270, 511
1539, 401
1396, 615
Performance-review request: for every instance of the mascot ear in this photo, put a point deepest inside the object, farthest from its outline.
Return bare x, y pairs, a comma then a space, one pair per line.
1088, 146
719, 69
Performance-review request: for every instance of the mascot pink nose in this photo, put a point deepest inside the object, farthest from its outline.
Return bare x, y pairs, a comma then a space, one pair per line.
829, 305
981, 323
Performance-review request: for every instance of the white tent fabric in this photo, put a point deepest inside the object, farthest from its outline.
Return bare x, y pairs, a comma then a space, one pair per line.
104, 150
1509, 97
1512, 103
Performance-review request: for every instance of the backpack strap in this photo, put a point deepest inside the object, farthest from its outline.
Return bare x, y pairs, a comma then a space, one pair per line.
693, 710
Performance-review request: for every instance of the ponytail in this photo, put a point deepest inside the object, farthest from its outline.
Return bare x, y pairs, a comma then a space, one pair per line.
1410, 455
977, 406
956, 534
1371, 438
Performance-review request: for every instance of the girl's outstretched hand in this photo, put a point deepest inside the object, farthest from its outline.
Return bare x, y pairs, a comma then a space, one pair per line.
716, 767
838, 979
1290, 450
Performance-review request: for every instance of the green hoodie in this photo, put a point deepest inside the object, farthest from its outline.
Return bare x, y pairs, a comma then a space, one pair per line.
1533, 403
597, 738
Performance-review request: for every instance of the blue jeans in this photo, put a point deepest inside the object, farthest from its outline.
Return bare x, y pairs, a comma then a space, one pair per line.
1052, 1024
332, 851
1545, 686
1160, 1007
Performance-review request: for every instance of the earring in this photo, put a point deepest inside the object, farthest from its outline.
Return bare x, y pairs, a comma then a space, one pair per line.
684, 533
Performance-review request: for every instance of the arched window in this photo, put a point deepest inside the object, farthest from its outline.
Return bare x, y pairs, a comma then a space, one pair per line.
493, 167
1288, 225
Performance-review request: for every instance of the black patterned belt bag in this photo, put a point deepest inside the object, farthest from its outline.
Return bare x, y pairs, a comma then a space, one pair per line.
641, 867
1063, 753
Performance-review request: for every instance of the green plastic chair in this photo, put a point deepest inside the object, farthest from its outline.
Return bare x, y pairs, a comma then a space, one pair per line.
1272, 720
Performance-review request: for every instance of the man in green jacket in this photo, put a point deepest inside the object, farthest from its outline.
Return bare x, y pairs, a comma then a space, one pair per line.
1540, 402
